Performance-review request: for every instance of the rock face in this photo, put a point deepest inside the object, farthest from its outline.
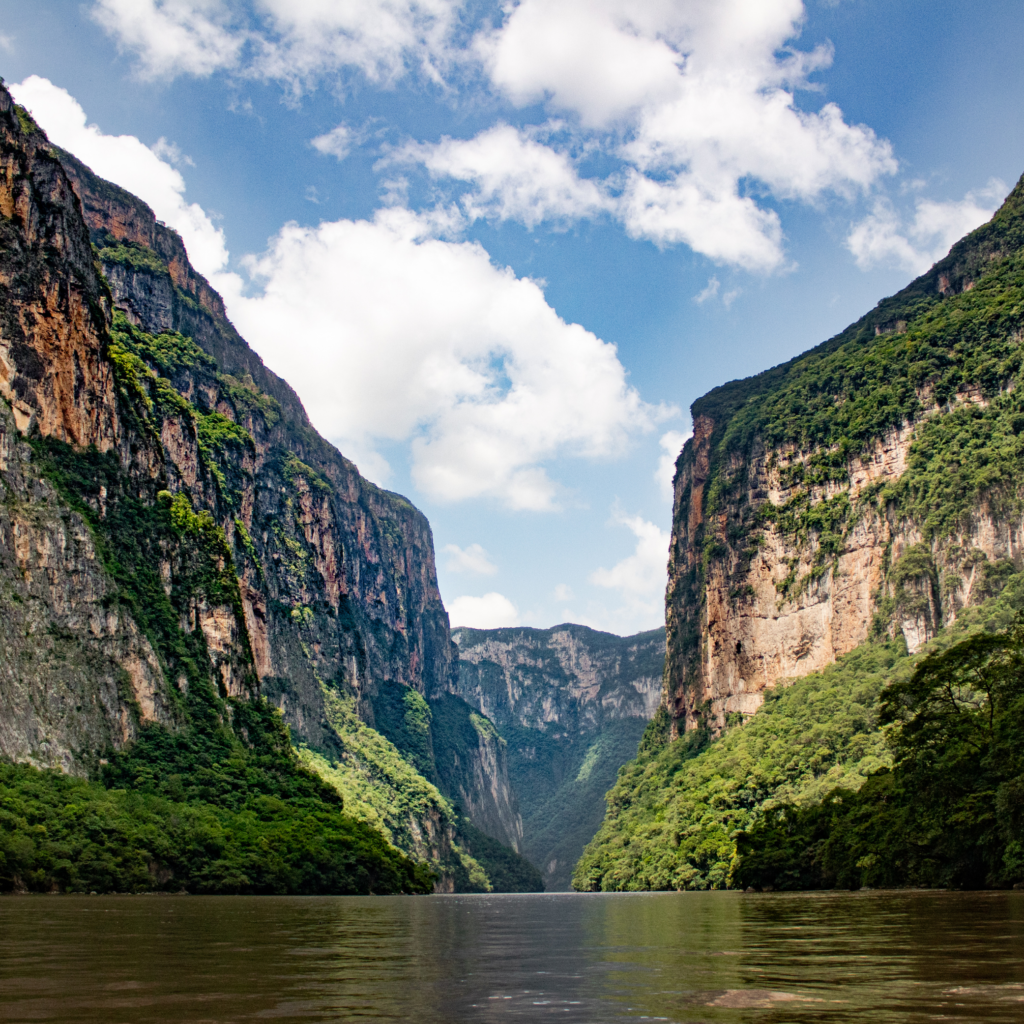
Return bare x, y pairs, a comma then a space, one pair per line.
787, 554
343, 587
317, 582
571, 704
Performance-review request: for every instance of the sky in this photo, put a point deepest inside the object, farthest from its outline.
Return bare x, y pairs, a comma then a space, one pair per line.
498, 249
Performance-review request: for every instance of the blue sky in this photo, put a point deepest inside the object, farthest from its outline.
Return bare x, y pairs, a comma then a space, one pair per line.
498, 250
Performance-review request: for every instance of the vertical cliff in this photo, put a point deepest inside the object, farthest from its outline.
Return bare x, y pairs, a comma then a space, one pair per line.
571, 704
868, 487
172, 520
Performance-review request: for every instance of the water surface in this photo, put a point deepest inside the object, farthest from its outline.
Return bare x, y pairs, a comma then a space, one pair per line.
693, 957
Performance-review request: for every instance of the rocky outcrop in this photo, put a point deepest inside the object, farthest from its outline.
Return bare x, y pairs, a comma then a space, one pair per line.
471, 767
785, 556
341, 587
571, 704
77, 676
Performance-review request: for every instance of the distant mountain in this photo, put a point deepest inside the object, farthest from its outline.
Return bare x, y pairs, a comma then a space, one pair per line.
571, 703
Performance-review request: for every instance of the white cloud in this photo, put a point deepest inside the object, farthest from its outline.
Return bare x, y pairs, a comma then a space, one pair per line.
702, 94
171, 153
292, 41
671, 444
392, 333
124, 160
338, 142
514, 177
410, 338
563, 592
914, 244
694, 98
195, 37
639, 578
492, 611
470, 559
709, 291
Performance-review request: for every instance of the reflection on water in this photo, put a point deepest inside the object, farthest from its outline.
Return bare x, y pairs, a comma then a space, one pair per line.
694, 957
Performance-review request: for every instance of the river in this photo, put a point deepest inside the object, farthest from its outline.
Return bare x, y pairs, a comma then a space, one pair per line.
693, 957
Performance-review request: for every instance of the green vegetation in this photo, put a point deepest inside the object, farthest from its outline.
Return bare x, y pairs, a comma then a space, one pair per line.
382, 788
63, 834
248, 400
561, 787
225, 774
944, 353
293, 468
26, 121
817, 751
673, 813
442, 740
169, 352
126, 253
951, 810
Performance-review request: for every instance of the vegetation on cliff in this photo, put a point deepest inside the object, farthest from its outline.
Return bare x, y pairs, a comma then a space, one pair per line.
804, 786
571, 704
951, 810
773, 468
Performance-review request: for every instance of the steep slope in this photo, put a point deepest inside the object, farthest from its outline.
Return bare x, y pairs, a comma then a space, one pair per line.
174, 519
876, 474
571, 703
866, 494
125, 652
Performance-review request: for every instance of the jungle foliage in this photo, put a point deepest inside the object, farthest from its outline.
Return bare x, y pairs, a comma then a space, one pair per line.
950, 812
806, 786
215, 801
59, 833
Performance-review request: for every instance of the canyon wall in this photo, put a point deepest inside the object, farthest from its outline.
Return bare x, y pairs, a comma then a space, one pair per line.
571, 704
800, 527
136, 422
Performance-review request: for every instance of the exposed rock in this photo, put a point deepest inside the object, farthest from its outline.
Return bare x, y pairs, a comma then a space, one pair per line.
306, 579
571, 704
761, 588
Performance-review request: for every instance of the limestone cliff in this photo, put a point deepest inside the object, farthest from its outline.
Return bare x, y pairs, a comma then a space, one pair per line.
170, 515
851, 490
571, 704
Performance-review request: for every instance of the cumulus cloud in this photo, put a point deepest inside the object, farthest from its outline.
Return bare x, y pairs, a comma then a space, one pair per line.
469, 559
671, 444
392, 331
409, 337
701, 93
195, 37
915, 243
129, 163
492, 611
563, 592
693, 98
514, 177
292, 42
640, 577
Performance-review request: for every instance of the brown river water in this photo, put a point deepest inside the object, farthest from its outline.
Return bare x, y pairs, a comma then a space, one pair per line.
694, 957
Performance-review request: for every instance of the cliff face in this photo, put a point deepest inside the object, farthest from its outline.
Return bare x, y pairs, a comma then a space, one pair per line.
170, 515
76, 672
567, 680
570, 704
837, 495
342, 588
